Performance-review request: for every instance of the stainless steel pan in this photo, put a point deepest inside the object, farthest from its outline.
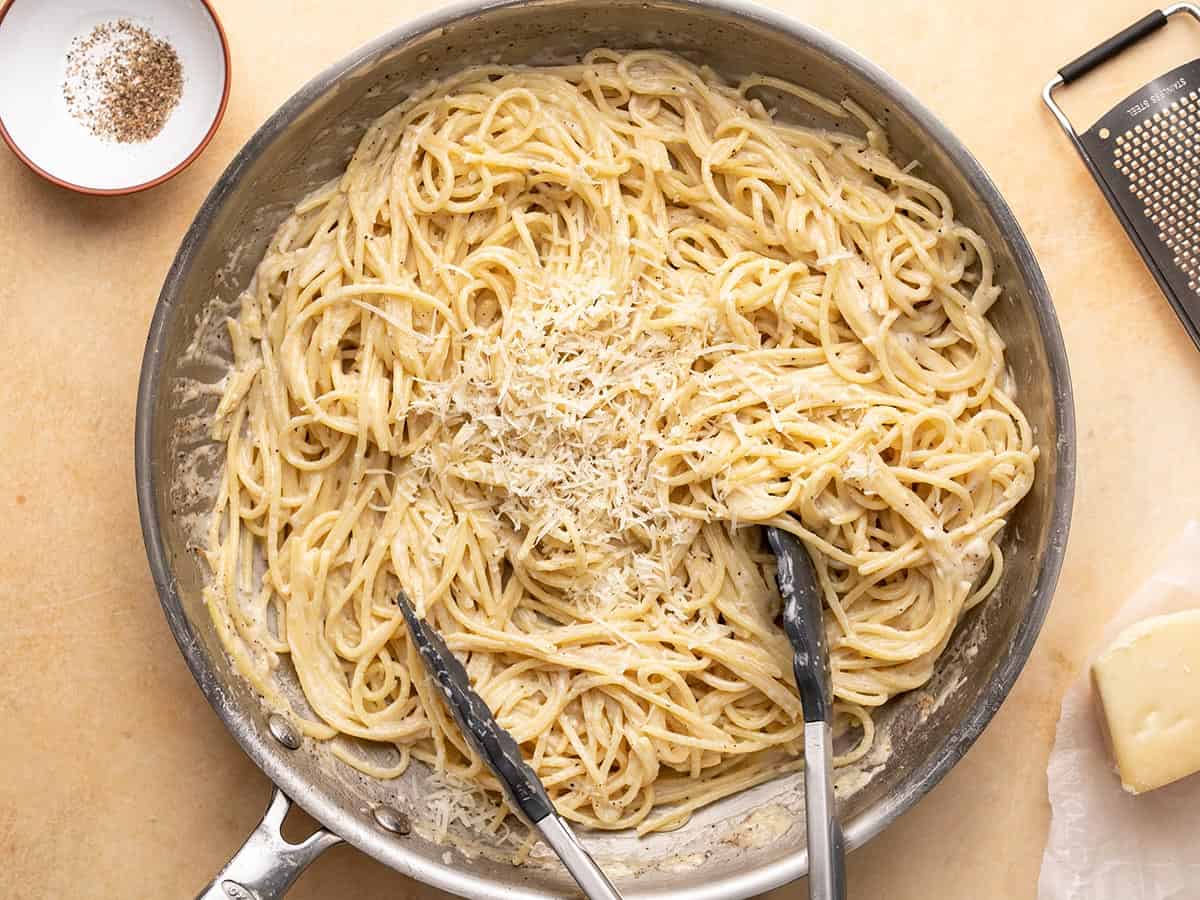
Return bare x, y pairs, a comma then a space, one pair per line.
748, 843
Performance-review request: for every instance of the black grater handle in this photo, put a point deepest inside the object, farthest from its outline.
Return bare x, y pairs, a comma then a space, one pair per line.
1101, 53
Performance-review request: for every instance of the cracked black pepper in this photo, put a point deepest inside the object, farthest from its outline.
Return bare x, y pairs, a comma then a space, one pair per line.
122, 83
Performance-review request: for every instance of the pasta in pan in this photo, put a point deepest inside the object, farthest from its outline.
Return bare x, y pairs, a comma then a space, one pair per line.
544, 357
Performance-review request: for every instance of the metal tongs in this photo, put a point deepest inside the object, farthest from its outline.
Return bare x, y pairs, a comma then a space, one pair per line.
803, 623
497, 748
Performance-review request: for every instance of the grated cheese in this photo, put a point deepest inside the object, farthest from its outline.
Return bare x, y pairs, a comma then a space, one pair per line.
560, 413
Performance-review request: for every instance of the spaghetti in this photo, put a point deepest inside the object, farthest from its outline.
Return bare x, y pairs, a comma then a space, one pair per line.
544, 356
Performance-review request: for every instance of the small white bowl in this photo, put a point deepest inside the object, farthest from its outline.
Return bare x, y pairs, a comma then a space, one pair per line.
35, 37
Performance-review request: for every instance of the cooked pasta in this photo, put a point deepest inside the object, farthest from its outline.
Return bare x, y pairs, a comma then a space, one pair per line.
546, 356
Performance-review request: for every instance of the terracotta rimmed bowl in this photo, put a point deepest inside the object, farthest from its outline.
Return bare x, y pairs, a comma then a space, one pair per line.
36, 123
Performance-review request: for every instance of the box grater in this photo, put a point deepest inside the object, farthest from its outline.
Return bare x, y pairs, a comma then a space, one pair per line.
1145, 156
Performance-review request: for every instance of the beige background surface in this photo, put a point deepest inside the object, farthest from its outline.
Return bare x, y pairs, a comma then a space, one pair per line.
119, 781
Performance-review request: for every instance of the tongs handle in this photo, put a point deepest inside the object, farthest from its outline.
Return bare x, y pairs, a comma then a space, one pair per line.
590, 878
501, 753
826, 849
803, 623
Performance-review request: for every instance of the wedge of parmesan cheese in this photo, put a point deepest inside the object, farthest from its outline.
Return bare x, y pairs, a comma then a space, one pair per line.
1148, 686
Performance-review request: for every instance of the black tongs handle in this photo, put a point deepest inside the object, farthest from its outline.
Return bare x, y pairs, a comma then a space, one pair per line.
499, 750
804, 623
493, 743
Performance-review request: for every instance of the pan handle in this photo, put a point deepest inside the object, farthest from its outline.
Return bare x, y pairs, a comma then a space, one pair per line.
266, 865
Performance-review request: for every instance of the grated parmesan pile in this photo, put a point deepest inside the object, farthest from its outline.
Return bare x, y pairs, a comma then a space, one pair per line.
559, 412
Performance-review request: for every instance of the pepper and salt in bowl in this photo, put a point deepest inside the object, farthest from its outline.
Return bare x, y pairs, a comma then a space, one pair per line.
111, 99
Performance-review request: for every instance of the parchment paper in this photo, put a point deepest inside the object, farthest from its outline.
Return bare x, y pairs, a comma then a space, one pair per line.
1104, 843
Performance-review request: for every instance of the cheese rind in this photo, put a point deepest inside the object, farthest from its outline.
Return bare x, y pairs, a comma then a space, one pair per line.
1148, 685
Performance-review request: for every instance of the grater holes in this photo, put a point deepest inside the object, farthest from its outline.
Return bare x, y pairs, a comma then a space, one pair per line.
1157, 159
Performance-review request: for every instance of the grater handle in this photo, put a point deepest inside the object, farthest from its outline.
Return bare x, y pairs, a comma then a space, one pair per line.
1180, 285
1101, 53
